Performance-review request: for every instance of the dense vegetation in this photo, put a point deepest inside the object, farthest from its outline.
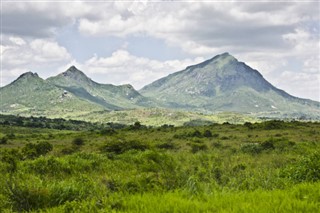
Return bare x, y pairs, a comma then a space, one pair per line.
272, 166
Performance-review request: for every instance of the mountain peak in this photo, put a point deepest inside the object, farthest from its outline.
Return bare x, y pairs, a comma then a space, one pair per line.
73, 69
222, 59
226, 57
74, 73
28, 75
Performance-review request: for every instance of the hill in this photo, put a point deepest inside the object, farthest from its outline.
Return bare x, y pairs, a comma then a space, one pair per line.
201, 92
106, 95
31, 95
225, 84
69, 94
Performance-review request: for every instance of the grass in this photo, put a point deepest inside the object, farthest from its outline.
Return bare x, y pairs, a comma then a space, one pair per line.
264, 167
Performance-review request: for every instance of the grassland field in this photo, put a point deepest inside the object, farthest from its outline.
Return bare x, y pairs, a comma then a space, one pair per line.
272, 166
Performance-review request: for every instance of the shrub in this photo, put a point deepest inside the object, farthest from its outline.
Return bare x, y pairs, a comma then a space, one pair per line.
248, 125
78, 141
11, 135
167, 145
251, 148
196, 133
275, 124
268, 144
239, 167
4, 140
306, 169
68, 150
108, 131
32, 150
207, 134
121, 146
10, 158
196, 147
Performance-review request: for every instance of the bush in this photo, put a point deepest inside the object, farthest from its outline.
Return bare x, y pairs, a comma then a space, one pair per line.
268, 144
4, 140
251, 148
196, 133
121, 146
167, 145
108, 131
78, 142
275, 124
68, 150
10, 158
32, 150
196, 147
207, 134
248, 125
306, 169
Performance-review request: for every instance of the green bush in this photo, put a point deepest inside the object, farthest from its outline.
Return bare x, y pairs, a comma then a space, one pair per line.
167, 145
10, 159
108, 131
196, 147
207, 134
78, 141
34, 150
121, 146
4, 140
268, 144
306, 169
251, 148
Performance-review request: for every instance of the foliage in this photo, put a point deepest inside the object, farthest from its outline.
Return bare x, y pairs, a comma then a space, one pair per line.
78, 141
4, 140
306, 169
122, 146
217, 168
34, 150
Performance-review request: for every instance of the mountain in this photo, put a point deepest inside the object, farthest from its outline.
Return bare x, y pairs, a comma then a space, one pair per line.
31, 95
225, 84
69, 94
106, 95
220, 84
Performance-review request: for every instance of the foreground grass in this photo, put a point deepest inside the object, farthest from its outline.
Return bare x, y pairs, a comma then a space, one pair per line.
265, 167
300, 198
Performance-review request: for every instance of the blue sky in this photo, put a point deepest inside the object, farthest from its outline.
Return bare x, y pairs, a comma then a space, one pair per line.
140, 41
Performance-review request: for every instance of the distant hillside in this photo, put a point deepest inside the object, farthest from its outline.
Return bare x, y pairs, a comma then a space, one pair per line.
106, 95
221, 84
225, 84
70, 93
31, 95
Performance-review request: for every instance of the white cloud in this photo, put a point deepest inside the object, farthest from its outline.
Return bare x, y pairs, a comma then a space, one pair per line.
19, 56
124, 68
301, 84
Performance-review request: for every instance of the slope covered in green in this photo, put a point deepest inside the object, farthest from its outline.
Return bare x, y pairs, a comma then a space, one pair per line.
31, 95
225, 84
106, 95
221, 84
70, 94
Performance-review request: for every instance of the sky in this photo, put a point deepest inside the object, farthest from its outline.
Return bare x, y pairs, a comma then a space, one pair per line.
137, 42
